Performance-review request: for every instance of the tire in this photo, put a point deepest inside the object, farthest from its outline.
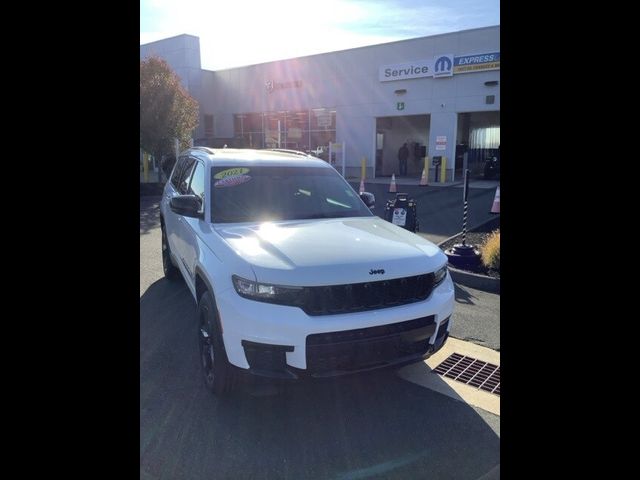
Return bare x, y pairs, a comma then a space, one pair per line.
218, 374
170, 270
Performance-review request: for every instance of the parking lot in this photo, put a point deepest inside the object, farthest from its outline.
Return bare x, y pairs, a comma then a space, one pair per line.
377, 425
439, 209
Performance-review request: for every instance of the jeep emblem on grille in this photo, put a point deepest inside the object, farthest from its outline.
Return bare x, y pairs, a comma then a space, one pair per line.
375, 272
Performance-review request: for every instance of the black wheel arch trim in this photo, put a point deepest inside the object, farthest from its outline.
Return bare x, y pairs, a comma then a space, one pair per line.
200, 273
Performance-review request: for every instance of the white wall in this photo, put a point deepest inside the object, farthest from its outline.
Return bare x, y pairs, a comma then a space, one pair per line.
348, 81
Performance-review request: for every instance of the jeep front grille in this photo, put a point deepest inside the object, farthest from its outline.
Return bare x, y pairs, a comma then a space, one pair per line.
359, 297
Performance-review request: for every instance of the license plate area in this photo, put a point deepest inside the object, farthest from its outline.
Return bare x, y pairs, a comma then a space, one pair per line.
365, 348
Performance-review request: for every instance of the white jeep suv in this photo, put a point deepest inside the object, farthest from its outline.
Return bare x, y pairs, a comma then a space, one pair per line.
292, 273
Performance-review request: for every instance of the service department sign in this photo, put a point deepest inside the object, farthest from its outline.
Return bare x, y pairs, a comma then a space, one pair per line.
474, 63
440, 66
405, 71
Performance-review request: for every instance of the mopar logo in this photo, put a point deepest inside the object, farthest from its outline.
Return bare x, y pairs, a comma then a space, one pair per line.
376, 272
443, 66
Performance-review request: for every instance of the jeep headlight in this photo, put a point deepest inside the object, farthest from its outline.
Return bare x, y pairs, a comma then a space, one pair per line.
262, 292
439, 275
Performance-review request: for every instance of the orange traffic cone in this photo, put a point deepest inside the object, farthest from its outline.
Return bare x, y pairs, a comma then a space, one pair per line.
423, 180
361, 186
392, 187
495, 208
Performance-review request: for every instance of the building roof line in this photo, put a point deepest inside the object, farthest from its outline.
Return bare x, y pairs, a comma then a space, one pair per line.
356, 48
170, 38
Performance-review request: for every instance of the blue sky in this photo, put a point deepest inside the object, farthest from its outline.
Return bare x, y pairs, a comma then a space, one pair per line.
243, 32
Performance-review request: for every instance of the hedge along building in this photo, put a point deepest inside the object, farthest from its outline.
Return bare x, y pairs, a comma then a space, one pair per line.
440, 94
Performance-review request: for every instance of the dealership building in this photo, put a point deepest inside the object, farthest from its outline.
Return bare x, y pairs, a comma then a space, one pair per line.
439, 94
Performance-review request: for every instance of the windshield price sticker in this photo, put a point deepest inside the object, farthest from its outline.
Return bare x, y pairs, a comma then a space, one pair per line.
232, 180
231, 172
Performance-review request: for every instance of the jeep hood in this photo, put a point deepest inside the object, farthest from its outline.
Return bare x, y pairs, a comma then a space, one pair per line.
331, 251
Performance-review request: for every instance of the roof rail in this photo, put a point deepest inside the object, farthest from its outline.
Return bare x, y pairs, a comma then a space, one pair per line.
284, 150
204, 149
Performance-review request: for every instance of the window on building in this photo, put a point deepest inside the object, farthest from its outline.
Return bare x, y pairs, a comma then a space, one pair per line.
248, 129
274, 130
485, 137
208, 126
309, 131
297, 130
322, 131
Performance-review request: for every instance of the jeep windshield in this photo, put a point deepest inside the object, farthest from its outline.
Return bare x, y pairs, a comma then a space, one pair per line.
265, 193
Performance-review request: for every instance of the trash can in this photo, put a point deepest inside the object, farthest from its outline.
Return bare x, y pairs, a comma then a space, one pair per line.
402, 211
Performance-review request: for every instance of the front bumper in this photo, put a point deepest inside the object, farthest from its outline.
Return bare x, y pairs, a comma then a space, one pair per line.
283, 342
337, 358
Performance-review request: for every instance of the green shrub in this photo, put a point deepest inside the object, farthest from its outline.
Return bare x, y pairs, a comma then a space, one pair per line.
490, 251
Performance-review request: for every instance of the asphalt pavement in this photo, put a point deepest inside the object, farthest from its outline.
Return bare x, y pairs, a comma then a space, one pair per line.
374, 425
476, 317
439, 209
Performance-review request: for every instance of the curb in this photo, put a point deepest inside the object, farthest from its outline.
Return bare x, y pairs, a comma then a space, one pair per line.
481, 224
473, 280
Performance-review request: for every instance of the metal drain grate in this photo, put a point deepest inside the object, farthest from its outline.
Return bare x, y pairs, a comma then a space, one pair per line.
471, 371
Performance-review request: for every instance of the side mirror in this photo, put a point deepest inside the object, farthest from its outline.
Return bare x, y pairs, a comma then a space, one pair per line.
187, 205
369, 199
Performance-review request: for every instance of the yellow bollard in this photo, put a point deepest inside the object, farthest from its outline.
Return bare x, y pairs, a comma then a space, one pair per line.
443, 170
363, 164
145, 166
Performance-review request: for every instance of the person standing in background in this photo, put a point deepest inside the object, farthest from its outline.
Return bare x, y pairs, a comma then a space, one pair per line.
403, 155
